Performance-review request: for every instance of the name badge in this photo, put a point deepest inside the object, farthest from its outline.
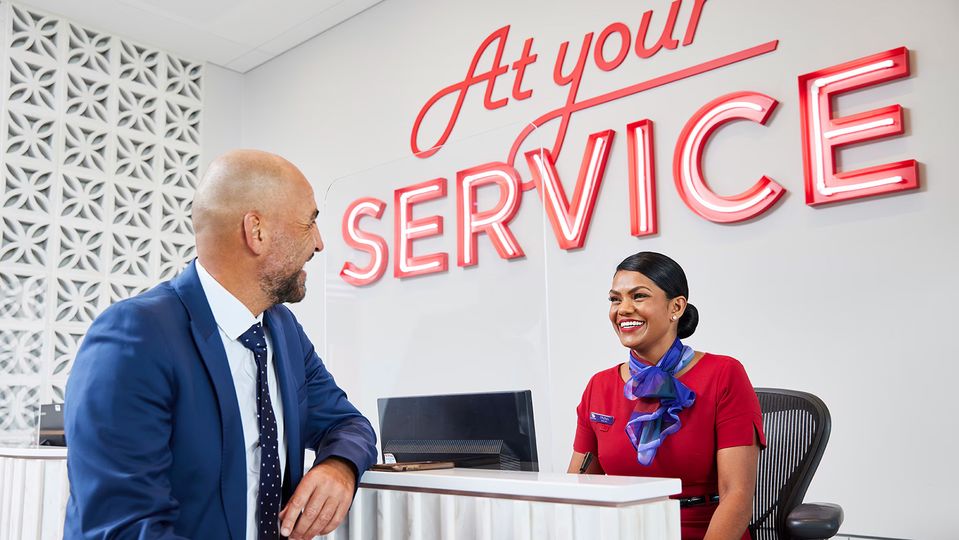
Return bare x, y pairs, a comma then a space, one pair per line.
601, 418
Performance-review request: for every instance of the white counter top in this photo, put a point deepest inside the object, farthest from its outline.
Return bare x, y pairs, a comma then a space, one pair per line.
34, 452
587, 489
538, 486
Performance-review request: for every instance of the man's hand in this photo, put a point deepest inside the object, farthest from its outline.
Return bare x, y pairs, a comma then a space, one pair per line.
320, 502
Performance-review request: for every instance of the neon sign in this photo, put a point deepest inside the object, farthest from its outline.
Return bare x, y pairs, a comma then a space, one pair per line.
570, 214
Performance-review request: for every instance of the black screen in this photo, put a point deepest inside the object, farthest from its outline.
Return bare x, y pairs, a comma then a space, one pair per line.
490, 431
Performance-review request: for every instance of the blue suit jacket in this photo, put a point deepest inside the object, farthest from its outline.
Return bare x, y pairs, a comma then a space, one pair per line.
153, 426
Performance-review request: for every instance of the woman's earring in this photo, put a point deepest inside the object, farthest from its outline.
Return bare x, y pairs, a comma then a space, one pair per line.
674, 317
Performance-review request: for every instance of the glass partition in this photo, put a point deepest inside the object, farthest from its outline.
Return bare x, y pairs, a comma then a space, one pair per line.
478, 328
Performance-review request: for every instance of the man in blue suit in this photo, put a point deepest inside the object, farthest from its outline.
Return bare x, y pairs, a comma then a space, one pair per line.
189, 406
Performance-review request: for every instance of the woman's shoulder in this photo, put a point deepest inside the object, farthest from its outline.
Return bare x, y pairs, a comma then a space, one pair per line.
604, 383
606, 377
717, 364
720, 360
721, 370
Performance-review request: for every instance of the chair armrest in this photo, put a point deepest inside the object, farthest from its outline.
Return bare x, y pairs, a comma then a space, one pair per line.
814, 520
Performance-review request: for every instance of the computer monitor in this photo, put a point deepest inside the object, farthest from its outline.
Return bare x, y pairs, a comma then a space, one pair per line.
486, 431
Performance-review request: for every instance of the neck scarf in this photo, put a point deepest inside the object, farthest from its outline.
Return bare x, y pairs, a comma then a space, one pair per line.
647, 430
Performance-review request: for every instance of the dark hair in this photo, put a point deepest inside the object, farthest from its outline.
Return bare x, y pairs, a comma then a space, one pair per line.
668, 276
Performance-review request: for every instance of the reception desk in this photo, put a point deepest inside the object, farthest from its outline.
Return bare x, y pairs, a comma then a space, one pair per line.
480, 504
439, 504
33, 493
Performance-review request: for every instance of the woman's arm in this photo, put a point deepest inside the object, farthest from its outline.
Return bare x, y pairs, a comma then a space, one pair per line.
576, 462
736, 468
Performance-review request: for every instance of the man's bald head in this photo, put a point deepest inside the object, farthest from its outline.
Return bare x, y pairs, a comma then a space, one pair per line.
239, 182
254, 216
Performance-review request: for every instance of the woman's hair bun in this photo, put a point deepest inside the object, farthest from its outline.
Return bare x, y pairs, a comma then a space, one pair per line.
688, 322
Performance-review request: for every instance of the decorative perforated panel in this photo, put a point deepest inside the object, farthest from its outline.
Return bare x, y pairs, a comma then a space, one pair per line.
100, 142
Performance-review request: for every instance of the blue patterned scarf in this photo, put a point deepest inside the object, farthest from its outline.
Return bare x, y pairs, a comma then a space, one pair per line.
647, 430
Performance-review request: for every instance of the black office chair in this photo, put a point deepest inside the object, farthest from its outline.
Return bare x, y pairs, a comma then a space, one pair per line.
797, 428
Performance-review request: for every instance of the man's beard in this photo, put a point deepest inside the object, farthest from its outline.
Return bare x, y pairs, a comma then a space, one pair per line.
282, 289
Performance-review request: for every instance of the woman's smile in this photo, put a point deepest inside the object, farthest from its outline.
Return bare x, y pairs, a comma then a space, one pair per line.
630, 325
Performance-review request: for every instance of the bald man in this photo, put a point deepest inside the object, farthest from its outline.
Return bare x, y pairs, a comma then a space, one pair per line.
189, 406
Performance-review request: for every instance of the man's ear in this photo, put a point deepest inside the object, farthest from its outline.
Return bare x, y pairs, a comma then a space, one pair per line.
253, 233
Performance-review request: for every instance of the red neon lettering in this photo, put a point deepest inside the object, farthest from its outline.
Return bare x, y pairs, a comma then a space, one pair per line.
571, 228
567, 110
573, 80
665, 39
406, 229
687, 160
823, 135
489, 77
493, 222
519, 67
693, 22
642, 178
624, 39
364, 241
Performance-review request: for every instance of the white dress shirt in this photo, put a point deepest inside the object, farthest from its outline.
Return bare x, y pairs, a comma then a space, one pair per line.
232, 319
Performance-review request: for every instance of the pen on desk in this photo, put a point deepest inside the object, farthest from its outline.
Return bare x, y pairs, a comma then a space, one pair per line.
585, 465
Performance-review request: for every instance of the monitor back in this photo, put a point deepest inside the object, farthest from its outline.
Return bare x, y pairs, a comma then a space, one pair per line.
487, 430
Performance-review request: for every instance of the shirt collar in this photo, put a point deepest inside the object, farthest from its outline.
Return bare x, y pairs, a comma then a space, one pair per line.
229, 313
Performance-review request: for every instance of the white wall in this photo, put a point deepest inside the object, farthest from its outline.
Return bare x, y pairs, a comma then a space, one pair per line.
853, 302
223, 114
100, 140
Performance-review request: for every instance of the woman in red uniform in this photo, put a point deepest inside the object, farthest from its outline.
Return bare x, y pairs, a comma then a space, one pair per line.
670, 411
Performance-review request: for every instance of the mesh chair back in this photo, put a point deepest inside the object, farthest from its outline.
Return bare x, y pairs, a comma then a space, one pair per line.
797, 426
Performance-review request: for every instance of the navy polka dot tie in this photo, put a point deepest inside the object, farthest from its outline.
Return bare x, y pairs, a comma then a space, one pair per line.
268, 500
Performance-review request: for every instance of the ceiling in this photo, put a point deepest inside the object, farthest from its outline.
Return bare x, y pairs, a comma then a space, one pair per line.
236, 34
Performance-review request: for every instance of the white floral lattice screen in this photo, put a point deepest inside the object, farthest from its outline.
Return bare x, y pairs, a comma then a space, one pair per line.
100, 142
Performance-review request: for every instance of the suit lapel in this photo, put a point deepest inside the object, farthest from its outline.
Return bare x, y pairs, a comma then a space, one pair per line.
208, 342
287, 384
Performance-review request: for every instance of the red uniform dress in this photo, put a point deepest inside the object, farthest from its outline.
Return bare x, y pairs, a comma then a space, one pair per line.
726, 413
